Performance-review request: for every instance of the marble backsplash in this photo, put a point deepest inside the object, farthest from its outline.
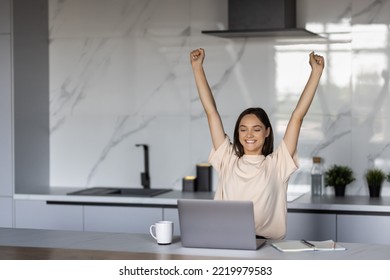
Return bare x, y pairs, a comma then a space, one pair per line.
120, 76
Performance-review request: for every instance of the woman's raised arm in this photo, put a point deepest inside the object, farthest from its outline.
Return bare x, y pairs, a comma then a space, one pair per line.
215, 123
291, 135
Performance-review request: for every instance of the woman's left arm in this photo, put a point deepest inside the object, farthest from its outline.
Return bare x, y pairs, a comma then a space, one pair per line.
291, 135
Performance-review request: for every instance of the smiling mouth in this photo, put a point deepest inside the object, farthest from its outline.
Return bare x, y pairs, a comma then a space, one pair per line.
250, 141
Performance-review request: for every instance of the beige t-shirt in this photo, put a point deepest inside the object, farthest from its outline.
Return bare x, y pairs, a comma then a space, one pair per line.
260, 179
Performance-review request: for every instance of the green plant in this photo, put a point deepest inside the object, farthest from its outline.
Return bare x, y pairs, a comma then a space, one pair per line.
375, 177
338, 176
388, 177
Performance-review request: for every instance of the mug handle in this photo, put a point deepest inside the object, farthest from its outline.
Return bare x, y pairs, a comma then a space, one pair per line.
151, 231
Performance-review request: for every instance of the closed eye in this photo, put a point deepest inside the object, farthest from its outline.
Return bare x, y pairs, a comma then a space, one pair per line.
256, 128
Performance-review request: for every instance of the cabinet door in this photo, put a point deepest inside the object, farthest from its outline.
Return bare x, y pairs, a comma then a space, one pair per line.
6, 181
172, 214
363, 229
5, 212
311, 226
120, 219
39, 215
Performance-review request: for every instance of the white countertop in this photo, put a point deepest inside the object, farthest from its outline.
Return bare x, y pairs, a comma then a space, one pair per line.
297, 200
59, 194
331, 203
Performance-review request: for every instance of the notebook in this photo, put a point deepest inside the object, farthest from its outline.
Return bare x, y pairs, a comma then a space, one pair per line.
218, 224
304, 246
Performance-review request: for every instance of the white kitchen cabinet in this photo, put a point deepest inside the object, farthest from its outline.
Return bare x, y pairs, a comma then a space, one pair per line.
120, 218
6, 211
172, 214
38, 214
311, 226
363, 229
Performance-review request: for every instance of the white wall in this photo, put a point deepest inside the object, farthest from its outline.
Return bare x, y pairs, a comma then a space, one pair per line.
120, 75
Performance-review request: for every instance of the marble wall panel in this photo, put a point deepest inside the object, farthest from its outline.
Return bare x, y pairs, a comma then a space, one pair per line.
120, 75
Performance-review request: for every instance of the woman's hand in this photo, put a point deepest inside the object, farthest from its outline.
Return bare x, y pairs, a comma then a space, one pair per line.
197, 57
317, 62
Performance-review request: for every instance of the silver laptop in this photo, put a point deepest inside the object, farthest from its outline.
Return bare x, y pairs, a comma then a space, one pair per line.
218, 224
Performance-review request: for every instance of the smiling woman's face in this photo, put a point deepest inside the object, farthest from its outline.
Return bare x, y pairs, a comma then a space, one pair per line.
252, 134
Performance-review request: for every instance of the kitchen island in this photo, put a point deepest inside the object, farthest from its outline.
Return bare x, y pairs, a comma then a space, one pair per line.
53, 244
355, 219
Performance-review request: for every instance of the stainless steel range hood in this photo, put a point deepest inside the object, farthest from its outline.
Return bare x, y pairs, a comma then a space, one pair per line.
261, 18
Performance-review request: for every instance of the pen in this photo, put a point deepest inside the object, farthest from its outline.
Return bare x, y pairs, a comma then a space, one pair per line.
308, 243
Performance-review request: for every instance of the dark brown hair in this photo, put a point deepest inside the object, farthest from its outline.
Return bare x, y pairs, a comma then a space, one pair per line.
268, 147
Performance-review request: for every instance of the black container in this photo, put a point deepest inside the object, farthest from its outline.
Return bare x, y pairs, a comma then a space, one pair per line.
189, 184
204, 177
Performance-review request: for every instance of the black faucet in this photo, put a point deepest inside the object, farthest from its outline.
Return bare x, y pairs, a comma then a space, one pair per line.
145, 178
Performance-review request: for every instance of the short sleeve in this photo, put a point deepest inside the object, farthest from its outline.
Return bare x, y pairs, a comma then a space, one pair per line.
216, 157
285, 162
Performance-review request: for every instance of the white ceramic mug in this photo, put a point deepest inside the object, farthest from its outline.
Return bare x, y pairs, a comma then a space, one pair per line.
162, 231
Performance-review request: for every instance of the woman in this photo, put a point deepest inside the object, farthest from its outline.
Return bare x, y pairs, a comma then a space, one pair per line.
249, 169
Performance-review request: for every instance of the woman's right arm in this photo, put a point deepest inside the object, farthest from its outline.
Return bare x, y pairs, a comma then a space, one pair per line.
215, 123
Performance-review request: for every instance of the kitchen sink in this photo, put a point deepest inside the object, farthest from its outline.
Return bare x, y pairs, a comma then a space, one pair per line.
103, 191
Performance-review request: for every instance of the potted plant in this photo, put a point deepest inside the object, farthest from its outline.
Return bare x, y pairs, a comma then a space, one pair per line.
339, 176
375, 178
